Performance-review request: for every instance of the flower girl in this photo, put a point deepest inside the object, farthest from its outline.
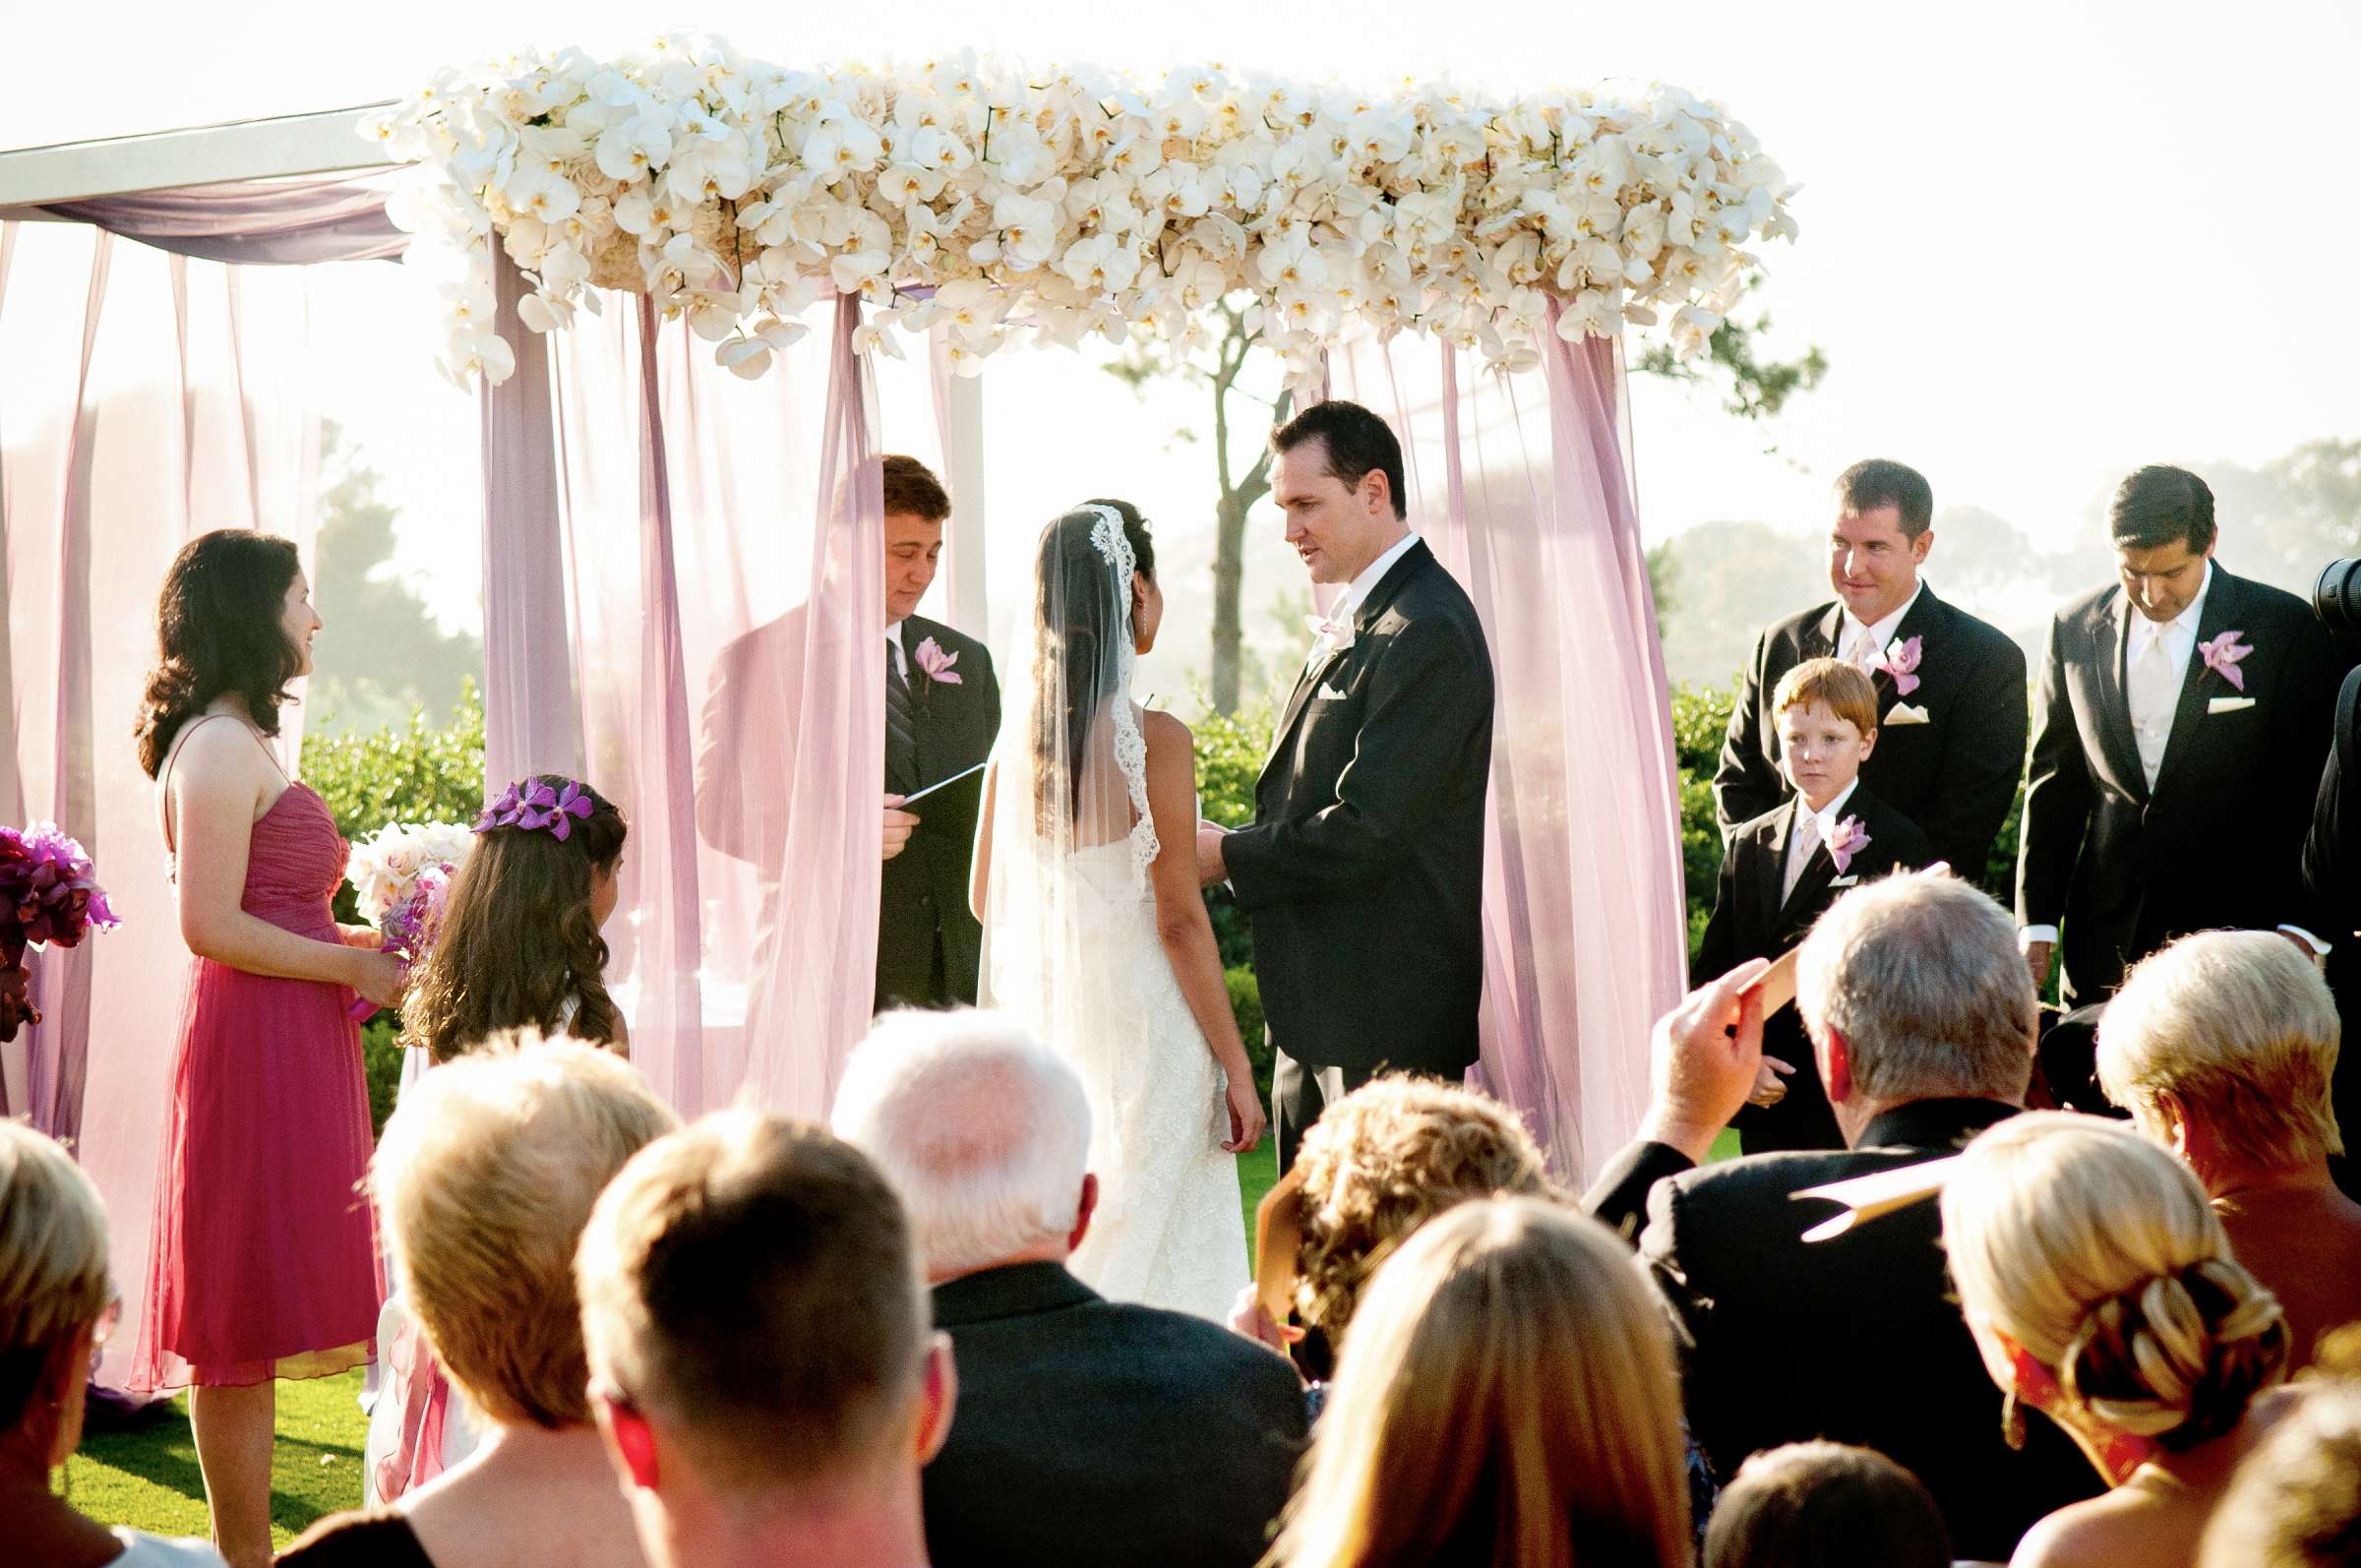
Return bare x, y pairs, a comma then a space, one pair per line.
517, 947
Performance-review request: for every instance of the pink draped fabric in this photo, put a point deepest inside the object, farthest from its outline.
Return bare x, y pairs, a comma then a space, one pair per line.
722, 544
533, 711
148, 398
1520, 486
271, 222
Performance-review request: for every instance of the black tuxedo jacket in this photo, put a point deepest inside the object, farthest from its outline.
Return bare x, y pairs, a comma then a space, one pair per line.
1751, 921
1856, 1339
1363, 869
1954, 775
1092, 1431
928, 941
2219, 841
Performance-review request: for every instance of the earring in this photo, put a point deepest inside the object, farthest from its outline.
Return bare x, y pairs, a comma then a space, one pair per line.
2012, 1421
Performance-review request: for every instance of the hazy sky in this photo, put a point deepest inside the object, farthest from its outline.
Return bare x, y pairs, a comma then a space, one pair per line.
2041, 243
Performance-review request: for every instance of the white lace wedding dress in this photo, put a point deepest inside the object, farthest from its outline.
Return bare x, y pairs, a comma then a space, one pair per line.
1071, 950
1169, 1231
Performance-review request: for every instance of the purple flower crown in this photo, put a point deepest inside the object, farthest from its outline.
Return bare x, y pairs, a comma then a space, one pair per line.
534, 806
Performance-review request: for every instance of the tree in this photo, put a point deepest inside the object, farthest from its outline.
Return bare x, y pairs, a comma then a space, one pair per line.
1753, 388
382, 652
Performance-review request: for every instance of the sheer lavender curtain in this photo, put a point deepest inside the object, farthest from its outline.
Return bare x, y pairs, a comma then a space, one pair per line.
722, 546
148, 398
277, 222
1521, 487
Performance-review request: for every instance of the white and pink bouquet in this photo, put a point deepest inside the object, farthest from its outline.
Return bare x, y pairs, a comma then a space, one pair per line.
400, 876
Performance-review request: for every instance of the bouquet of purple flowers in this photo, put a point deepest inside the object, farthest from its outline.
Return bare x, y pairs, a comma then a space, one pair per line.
48, 897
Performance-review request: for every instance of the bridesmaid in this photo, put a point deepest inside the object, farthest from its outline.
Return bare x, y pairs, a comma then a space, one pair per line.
264, 1263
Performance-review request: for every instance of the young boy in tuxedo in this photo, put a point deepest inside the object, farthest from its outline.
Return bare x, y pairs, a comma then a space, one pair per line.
1781, 871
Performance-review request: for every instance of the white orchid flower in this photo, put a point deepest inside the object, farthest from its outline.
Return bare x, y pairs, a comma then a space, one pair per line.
635, 149
1103, 262
1028, 231
876, 337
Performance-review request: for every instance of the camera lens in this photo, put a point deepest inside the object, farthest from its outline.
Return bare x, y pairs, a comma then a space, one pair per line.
2336, 596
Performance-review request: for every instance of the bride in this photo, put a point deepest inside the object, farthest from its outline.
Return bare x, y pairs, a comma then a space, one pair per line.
1095, 932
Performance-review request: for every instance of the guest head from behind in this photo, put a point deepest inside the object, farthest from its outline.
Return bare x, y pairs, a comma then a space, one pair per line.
485, 1178
1338, 483
1912, 989
2296, 1501
1384, 1160
761, 1363
234, 619
1825, 1505
2100, 1289
983, 1133
2224, 1047
519, 945
1882, 532
56, 1311
2162, 524
1507, 1397
916, 509
1827, 711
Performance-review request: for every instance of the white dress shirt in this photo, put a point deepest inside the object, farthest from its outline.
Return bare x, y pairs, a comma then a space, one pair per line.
901, 659
1859, 644
1355, 593
1808, 832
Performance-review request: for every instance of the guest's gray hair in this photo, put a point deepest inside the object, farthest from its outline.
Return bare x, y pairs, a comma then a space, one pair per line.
983, 1131
1919, 971
2239, 1027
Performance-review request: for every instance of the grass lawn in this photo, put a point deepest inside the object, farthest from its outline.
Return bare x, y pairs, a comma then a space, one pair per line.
146, 1477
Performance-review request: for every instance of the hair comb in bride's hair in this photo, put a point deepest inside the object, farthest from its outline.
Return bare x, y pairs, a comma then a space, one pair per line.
531, 804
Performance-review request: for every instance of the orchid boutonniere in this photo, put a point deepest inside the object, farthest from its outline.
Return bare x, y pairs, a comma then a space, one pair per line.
1901, 661
1851, 839
2221, 655
937, 664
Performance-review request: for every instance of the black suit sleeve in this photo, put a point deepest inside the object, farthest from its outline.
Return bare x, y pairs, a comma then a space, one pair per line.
1618, 1200
2057, 796
2329, 880
1718, 948
1982, 761
1430, 699
1745, 784
2304, 733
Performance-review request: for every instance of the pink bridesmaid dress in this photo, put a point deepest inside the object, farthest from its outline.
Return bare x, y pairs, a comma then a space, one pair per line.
264, 1260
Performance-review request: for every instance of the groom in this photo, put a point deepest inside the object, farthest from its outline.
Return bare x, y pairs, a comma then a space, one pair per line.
1364, 869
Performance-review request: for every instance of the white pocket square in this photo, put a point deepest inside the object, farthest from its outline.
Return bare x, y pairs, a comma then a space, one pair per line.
1329, 693
2228, 704
1904, 713
1846, 881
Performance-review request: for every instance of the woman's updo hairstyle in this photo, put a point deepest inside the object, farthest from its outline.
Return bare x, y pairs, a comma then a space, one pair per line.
2097, 1251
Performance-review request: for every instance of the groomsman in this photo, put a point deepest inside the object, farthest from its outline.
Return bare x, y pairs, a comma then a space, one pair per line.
1363, 867
2179, 733
1951, 689
943, 712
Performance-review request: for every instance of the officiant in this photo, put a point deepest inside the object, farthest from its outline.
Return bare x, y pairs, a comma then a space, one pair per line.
943, 712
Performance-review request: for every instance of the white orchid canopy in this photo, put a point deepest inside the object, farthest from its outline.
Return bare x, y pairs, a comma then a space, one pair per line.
1005, 205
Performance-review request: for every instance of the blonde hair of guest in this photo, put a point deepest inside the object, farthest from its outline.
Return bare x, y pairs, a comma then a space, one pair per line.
2097, 1253
486, 1176
1507, 1397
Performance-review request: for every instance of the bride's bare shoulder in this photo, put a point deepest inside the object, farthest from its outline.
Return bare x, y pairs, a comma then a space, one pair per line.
1170, 748
1162, 728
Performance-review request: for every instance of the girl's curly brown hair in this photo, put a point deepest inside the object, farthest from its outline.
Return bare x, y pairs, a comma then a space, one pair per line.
518, 940
1384, 1161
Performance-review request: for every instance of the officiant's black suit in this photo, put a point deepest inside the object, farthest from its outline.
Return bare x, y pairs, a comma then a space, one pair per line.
928, 941
1857, 1339
1954, 775
2219, 842
1363, 869
1750, 919
1099, 1433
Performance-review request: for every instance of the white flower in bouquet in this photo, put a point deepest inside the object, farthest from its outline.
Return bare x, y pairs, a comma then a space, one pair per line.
384, 868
